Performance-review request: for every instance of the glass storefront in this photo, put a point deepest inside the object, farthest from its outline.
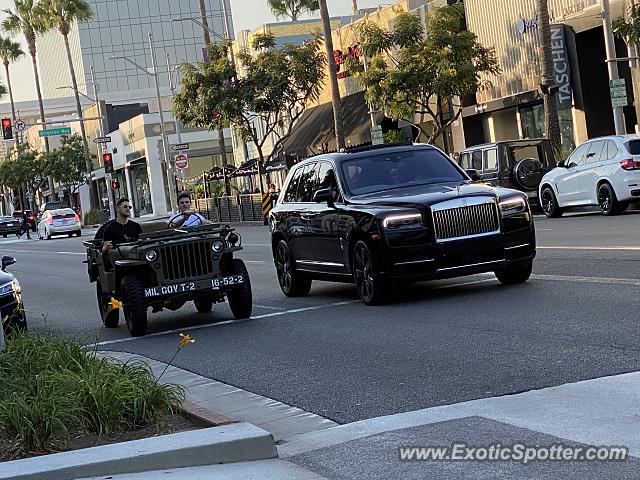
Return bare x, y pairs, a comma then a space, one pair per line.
532, 122
141, 193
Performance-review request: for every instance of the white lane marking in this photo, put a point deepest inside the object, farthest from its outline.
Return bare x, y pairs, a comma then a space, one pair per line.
604, 280
71, 253
256, 245
629, 249
466, 283
256, 317
267, 307
254, 261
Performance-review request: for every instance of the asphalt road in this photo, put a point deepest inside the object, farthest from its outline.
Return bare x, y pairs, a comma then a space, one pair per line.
438, 343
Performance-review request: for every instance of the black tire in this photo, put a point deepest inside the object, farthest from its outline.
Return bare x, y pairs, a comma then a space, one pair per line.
203, 305
518, 273
372, 288
4, 235
70, 235
292, 283
17, 322
608, 202
134, 306
111, 319
549, 203
240, 297
79, 233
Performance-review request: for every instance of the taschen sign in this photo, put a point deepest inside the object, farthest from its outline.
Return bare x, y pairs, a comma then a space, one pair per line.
561, 66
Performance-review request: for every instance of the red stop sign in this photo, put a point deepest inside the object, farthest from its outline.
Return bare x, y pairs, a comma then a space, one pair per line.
181, 161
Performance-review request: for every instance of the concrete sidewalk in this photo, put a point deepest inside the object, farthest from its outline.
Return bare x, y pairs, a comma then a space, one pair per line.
599, 412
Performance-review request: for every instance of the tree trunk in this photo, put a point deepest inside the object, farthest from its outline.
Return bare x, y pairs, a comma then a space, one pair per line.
221, 141
36, 76
13, 106
629, 8
552, 124
333, 78
354, 6
93, 193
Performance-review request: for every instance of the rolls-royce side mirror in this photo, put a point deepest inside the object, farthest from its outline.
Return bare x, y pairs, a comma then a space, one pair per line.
324, 195
6, 261
474, 175
561, 164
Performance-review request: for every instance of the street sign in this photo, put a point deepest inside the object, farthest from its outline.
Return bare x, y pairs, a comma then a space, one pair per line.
52, 132
376, 135
20, 125
180, 146
102, 139
182, 161
618, 90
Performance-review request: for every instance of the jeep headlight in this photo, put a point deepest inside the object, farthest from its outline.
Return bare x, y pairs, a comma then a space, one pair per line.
151, 255
403, 221
217, 246
512, 206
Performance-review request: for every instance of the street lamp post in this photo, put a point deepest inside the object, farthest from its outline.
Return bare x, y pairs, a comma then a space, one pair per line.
172, 87
165, 144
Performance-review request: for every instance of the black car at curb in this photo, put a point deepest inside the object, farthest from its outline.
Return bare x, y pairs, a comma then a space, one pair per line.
390, 215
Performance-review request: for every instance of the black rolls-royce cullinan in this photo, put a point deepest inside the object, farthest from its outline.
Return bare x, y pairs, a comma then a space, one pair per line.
387, 215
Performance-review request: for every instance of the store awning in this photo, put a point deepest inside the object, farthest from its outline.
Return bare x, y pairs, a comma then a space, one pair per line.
314, 132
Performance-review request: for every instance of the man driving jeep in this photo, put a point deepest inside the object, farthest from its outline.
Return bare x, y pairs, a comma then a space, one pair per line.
185, 217
122, 230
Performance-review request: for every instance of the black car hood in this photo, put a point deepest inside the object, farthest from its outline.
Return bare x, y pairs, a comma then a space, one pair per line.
5, 277
424, 195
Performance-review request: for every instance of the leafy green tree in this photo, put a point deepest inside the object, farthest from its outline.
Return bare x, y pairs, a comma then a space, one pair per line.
629, 28
67, 165
272, 92
61, 15
25, 18
412, 73
292, 8
24, 166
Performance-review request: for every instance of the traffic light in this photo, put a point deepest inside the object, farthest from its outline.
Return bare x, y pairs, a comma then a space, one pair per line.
107, 158
115, 184
7, 129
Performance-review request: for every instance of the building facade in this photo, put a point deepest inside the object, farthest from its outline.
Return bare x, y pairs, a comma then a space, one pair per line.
511, 106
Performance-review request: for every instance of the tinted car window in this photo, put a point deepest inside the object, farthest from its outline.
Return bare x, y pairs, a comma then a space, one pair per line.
491, 160
292, 189
476, 160
308, 183
595, 151
398, 170
634, 147
465, 161
327, 178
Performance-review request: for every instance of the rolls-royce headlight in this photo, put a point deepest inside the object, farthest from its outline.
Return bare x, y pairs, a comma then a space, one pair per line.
10, 287
402, 221
217, 246
151, 256
513, 206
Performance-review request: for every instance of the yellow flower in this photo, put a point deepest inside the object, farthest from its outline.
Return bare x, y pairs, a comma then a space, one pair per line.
186, 339
115, 304
453, 72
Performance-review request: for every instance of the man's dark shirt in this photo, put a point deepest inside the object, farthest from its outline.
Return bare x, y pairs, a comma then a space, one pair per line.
119, 233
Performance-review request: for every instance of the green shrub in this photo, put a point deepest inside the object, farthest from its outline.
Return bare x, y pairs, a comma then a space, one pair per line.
53, 386
92, 217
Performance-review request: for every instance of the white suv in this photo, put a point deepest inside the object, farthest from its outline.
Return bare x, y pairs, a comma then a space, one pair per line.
603, 171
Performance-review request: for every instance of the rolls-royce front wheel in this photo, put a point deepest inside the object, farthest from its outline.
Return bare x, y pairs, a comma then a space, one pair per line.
373, 289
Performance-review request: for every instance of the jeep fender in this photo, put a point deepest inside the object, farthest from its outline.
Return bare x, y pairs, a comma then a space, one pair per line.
123, 268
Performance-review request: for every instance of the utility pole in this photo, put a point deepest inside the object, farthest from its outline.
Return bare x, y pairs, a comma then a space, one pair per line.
172, 87
102, 146
612, 64
165, 144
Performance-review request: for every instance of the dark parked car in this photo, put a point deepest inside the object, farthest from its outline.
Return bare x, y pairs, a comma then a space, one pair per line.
517, 164
392, 215
11, 306
9, 226
31, 218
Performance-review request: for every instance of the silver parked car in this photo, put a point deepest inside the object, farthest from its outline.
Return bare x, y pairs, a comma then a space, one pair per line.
59, 222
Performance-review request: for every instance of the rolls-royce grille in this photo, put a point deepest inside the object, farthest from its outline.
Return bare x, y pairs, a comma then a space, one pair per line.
186, 260
465, 221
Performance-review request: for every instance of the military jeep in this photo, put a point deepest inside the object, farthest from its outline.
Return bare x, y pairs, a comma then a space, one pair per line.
166, 269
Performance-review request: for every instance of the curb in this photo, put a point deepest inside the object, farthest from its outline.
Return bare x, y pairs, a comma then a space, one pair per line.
205, 415
238, 442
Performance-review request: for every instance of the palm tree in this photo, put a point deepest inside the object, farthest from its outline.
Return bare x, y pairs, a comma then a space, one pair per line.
551, 122
10, 52
354, 6
333, 76
292, 8
61, 15
26, 19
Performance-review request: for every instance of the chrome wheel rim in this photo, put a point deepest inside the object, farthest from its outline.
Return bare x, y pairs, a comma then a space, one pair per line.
363, 269
283, 267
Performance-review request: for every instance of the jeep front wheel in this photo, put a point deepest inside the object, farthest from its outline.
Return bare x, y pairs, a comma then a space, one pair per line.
240, 297
133, 306
110, 318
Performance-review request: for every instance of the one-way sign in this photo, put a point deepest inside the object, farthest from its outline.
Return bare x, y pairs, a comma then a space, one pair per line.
102, 140
180, 146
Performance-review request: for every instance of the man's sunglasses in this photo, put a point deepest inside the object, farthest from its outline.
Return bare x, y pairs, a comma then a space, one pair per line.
126, 206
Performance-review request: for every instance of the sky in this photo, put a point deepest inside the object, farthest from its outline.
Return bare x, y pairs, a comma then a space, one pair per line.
247, 15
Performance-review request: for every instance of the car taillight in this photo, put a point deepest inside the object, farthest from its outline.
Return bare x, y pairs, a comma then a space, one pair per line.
630, 164
50, 220
76, 217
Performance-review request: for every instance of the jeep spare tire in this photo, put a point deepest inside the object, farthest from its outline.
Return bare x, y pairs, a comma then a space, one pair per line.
528, 173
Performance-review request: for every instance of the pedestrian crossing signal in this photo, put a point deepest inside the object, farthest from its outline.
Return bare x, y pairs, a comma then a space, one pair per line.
7, 129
